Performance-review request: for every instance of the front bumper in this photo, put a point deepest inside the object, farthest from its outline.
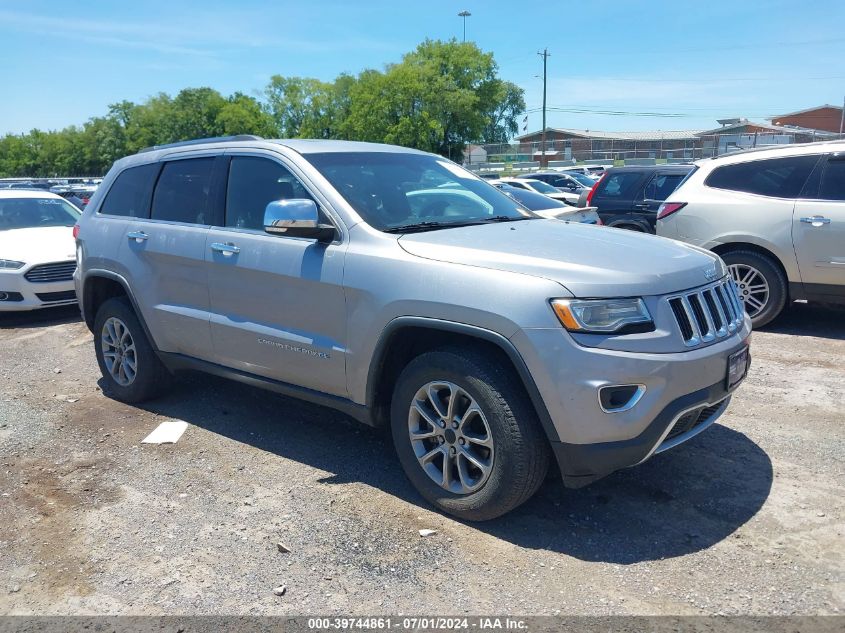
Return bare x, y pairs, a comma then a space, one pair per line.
684, 391
22, 295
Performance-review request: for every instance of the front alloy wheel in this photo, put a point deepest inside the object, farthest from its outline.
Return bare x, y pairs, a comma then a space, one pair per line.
450, 437
466, 432
119, 353
753, 287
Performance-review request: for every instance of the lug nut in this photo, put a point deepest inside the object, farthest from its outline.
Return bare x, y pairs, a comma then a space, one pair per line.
452, 450
462, 441
442, 424
454, 425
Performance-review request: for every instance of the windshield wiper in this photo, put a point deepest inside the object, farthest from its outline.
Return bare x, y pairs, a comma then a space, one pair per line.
507, 218
427, 226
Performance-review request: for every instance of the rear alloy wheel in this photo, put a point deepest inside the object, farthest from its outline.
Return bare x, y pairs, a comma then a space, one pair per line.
761, 284
132, 371
119, 353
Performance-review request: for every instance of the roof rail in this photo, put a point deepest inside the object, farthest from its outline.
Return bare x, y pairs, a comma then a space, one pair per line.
202, 141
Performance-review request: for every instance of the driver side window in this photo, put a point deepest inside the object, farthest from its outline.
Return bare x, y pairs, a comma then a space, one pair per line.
253, 183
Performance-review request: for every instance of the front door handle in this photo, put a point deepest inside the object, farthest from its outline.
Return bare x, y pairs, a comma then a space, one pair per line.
227, 249
816, 220
138, 236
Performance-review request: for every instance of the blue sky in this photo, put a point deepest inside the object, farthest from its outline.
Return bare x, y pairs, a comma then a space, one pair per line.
63, 62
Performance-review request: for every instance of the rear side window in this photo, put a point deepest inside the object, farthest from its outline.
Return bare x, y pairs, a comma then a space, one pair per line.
618, 185
775, 178
253, 183
662, 185
182, 191
833, 180
130, 193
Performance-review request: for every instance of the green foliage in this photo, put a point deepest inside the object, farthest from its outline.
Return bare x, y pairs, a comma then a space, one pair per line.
440, 97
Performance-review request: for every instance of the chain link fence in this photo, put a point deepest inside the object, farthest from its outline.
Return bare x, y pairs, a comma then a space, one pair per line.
560, 152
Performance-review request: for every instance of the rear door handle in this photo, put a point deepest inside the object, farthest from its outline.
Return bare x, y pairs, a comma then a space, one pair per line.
816, 220
641, 206
138, 236
227, 249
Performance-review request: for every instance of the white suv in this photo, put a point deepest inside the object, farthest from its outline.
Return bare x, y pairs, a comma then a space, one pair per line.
777, 218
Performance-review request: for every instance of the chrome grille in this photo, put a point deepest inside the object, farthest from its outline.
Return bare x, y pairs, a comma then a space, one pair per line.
47, 273
707, 314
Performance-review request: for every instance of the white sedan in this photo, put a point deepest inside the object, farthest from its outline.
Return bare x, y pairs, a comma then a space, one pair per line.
37, 250
542, 187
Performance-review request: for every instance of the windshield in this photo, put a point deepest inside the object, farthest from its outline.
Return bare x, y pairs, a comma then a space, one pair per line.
391, 190
25, 213
581, 178
542, 187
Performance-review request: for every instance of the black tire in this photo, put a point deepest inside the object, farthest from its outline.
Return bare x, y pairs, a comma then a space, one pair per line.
151, 377
772, 273
521, 451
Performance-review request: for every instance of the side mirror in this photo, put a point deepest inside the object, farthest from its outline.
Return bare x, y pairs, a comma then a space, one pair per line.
298, 217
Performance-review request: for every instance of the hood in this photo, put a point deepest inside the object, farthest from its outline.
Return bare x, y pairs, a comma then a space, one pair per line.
38, 245
590, 261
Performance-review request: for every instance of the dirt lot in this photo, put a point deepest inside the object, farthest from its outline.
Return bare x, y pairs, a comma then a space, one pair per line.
748, 518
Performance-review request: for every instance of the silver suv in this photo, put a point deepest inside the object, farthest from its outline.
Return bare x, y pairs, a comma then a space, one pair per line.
399, 288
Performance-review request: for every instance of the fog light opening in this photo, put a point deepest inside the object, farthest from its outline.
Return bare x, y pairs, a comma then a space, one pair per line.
619, 398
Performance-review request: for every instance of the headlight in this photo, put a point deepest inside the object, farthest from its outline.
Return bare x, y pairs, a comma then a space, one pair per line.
603, 315
10, 264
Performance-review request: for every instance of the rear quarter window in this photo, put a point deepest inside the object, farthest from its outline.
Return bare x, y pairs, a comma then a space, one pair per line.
619, 185
774, 177
130, 193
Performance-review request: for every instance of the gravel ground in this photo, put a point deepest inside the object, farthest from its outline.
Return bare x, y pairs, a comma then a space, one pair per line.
747, 518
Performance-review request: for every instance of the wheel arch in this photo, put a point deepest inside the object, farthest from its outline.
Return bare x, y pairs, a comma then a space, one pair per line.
101, 285
404, 338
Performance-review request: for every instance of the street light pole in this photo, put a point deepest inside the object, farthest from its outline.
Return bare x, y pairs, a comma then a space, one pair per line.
465, 14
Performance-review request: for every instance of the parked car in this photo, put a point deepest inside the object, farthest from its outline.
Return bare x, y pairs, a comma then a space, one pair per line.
565, 183
628, 197
79, 196
489, 339
586, 182
544, 188
548, 207
593, 171
37, 250
777, 218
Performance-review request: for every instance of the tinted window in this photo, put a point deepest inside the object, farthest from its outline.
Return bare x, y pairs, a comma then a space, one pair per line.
619, 185
776, 177
130, 193
182, 192
542, 187
531, 200
253, 183
662, 185
833, 180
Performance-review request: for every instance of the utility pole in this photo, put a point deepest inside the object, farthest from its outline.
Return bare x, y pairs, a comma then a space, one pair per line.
842, 120
543, 161
465, 14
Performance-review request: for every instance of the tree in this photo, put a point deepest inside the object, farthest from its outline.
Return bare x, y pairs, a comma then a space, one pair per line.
439, 97
241, 114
